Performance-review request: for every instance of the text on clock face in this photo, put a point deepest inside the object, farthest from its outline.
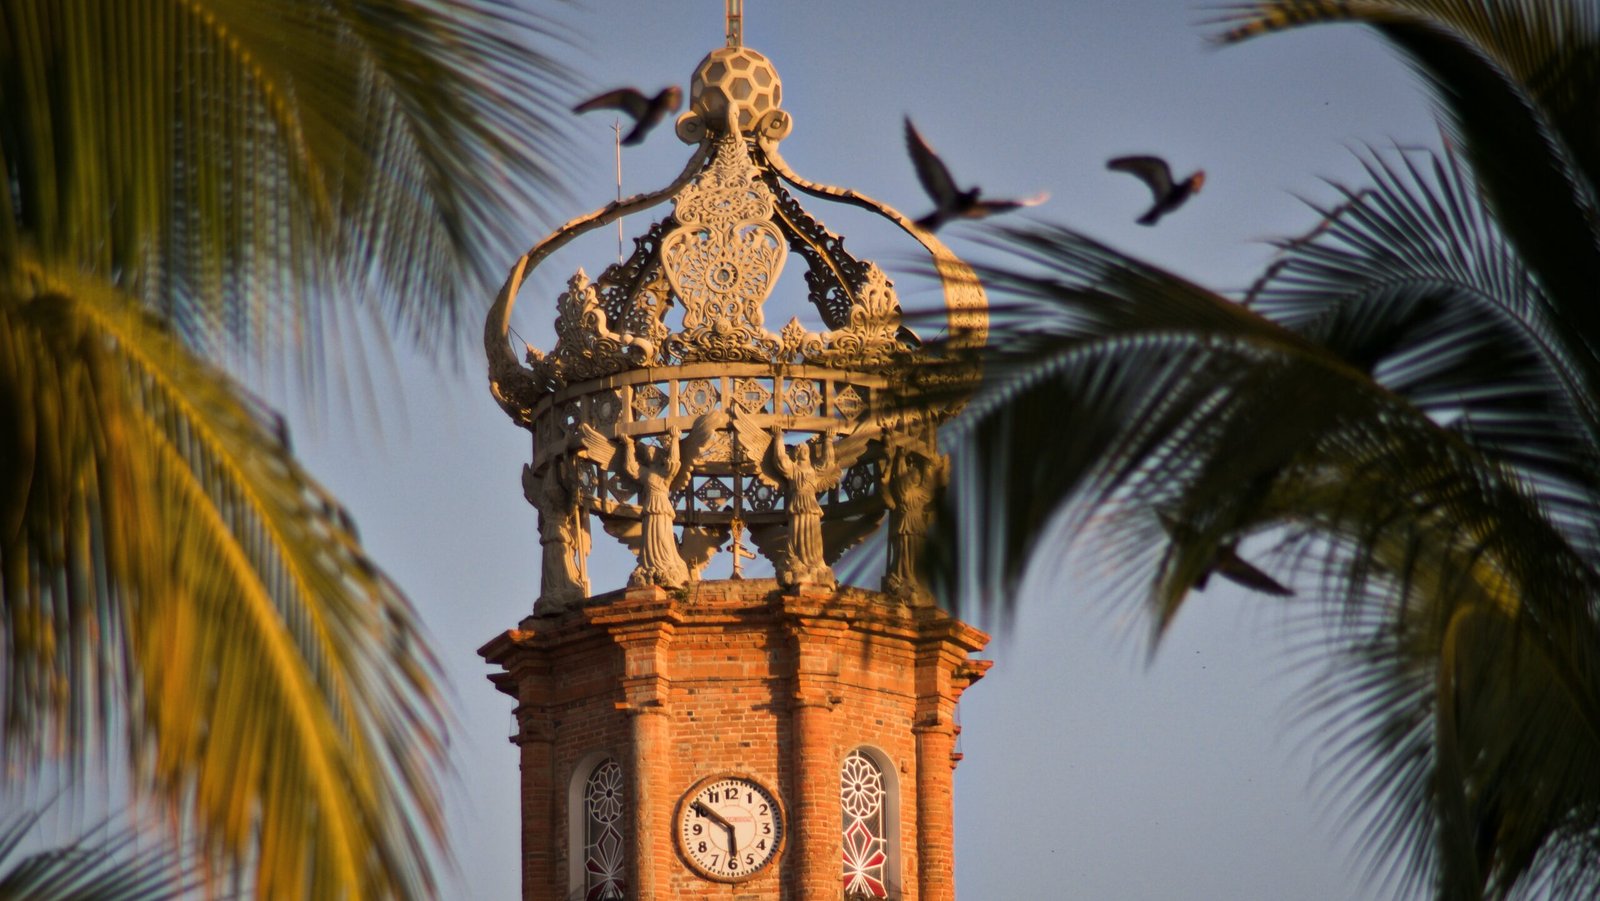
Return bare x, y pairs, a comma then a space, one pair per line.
731, 827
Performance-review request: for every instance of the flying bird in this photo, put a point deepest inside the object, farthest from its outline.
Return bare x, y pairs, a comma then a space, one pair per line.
1229, 565
646, 112
1153, 171
1226, 562
950, 202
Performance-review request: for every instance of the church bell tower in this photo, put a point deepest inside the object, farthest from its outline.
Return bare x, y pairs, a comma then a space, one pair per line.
788, 737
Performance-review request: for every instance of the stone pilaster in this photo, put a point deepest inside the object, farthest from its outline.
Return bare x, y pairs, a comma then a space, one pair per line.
815, 808
536, 741
645, 684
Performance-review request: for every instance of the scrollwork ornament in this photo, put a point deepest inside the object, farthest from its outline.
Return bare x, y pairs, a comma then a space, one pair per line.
872, 337
724, 259
691, 128
635, 295
774, 125
586, 347
519, 390
798, 343
832, 273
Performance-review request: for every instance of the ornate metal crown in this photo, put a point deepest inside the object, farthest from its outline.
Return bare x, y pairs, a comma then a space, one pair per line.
669, 411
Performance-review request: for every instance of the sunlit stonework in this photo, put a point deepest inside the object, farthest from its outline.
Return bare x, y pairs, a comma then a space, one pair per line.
723, 259
670, 412
737, 79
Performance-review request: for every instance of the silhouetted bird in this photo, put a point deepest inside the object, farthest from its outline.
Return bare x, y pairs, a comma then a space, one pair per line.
646, 112
1227, 563
1153, 171
950, 202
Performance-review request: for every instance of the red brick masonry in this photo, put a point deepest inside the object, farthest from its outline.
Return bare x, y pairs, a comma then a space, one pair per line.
739, 676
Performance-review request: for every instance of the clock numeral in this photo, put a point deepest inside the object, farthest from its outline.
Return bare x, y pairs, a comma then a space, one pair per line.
766, 828
714, 859
761, 845
698, 828
749, 859
731, 794
763, 808
701, 847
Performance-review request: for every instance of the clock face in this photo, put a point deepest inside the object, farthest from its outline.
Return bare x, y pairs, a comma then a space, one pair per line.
730, 827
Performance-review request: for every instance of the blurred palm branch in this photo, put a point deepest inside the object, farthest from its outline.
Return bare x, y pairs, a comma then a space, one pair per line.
190, 184
1400, 419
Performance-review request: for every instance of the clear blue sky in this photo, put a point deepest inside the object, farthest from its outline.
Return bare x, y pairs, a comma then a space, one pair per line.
1092, 770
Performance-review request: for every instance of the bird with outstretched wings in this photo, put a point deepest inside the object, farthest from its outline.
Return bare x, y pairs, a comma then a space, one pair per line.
1157, 176
949, 201
646, 112
1226, 562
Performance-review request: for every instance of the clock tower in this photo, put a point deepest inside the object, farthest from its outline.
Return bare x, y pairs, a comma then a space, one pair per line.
765, 735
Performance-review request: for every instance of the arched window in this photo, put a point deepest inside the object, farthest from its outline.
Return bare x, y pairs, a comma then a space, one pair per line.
864, 798
605, 860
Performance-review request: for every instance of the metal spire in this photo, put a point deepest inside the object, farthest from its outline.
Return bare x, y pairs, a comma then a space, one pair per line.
735, 17
616, 127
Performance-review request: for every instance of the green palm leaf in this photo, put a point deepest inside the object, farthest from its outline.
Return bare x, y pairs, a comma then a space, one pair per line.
1518, 80
1162, 423
104, 863
1412, 280
162, 553
1402, 424
228, 179
258, 169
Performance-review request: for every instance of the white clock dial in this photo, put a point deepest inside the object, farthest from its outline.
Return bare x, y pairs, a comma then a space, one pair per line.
730, 827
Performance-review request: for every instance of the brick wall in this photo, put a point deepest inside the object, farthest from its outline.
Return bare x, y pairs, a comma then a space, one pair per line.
741, 677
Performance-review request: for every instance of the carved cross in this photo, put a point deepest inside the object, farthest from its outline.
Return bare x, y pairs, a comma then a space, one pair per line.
738, 550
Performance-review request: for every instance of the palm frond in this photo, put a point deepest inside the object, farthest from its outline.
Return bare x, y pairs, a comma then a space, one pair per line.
105, 863
1138, 411
257, 170
1125, 353
1411, 280
1519, 82
163, 553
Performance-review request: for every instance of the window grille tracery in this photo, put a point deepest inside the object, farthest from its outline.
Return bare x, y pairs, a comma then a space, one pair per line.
862, 799
605, 854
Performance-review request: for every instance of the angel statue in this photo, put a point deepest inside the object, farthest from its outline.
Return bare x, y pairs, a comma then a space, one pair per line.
803, 480
802, 551
797, 475
563, 533
910, 480
656, 472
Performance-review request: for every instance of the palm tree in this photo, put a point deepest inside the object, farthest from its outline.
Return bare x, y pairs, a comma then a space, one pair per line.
1403, 416
105, 864
212, 181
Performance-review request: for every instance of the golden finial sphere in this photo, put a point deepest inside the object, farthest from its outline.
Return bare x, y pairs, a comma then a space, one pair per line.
735, 78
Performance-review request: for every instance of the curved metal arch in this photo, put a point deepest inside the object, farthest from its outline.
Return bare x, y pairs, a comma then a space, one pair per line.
504, 367
966, 305
967, 313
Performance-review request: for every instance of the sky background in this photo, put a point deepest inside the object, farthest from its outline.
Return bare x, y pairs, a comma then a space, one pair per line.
1092, 769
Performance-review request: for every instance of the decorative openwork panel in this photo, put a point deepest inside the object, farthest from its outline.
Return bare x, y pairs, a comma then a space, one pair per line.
672, 414
605, 858
864, 803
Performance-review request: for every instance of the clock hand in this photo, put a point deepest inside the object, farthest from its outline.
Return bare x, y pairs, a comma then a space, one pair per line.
718, 818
